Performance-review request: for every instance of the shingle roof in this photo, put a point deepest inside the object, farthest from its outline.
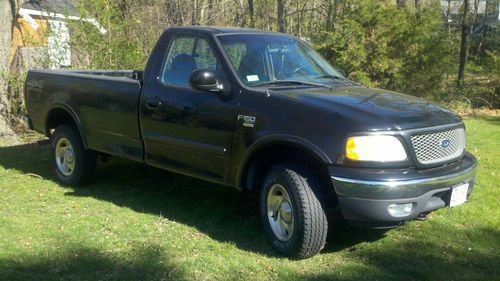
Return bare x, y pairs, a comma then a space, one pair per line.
65, 7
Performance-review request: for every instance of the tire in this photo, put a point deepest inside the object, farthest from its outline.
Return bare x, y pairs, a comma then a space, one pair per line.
74, 165
303, 233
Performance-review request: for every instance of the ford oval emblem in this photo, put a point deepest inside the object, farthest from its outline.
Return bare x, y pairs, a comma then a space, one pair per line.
445, 144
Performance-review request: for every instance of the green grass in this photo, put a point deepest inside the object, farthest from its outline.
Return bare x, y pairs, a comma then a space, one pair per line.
141, 223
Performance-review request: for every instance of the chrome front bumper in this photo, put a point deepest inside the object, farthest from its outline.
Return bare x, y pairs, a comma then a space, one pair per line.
364, 200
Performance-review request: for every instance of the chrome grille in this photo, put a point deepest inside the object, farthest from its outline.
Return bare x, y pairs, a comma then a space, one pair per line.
439, 147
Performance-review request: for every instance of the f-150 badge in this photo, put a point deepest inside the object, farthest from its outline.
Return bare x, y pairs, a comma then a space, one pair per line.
248, 121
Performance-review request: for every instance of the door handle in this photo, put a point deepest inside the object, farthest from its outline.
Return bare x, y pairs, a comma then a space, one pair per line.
153, 103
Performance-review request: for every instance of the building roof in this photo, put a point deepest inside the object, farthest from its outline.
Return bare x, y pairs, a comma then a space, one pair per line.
54, 9
65, 7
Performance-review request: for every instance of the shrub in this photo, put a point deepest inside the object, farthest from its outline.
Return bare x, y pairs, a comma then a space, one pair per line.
383, 45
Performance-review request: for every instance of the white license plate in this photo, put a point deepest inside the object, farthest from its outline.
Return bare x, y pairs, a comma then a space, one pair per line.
459, 194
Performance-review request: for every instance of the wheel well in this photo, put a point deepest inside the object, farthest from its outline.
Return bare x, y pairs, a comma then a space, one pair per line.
57, 117
262, 160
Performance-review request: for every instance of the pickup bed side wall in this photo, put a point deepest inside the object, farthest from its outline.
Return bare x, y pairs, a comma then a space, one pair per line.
106, 107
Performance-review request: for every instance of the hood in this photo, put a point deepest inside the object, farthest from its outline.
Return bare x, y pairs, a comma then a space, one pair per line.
374, 109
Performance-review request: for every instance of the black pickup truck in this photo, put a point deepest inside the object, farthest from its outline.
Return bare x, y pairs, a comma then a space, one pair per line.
262, 112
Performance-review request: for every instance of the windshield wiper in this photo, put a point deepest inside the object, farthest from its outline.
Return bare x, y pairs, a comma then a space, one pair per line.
336, 77
295, 82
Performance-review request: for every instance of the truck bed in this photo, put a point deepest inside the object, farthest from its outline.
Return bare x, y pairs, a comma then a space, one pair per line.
105, 101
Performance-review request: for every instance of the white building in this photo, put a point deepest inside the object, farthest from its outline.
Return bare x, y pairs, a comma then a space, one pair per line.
41, 35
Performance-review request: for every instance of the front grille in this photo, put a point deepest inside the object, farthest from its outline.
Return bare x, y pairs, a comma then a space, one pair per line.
437, 147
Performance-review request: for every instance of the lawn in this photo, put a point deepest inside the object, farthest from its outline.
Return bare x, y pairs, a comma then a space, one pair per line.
141, 223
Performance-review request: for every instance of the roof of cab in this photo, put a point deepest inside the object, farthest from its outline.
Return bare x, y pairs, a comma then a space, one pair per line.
220, 29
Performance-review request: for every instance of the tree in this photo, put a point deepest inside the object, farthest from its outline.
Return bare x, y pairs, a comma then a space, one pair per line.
210, 13
281, 16
251, 13
400, 45
463, 44
194, 13
8, 10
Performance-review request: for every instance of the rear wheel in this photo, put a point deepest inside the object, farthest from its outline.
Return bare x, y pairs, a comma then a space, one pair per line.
73, 164
292, 214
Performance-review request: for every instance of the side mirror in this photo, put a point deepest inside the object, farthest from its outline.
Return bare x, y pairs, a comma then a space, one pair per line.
205, 80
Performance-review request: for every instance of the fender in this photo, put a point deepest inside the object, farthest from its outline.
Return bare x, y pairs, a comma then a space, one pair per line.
66, 107
281, 139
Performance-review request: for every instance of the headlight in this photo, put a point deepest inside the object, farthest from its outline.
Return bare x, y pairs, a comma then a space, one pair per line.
375, 148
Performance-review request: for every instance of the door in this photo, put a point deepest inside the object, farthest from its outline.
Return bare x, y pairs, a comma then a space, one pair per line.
184, 129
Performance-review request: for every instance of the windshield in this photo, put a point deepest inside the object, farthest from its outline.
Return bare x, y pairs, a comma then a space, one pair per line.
268, 59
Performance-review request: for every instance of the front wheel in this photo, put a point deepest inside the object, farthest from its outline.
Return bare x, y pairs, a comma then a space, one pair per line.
74, 165
292, 214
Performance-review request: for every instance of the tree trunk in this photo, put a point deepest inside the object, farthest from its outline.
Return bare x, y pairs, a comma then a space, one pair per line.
251, 13
8, 11
194, 13
174, 13
281, 16
401, 3
483, 34
331, 8
463, 45
210, 13
169, 11
472, 24
203, 18
239, 15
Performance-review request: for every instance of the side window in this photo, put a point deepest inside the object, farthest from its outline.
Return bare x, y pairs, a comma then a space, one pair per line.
204, 57
187, 54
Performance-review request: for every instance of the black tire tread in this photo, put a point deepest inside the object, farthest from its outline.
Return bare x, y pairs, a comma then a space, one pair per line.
315, 226
313, 231
86, 159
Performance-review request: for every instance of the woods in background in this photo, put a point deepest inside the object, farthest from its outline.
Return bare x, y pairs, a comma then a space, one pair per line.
407, 46
447, 51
